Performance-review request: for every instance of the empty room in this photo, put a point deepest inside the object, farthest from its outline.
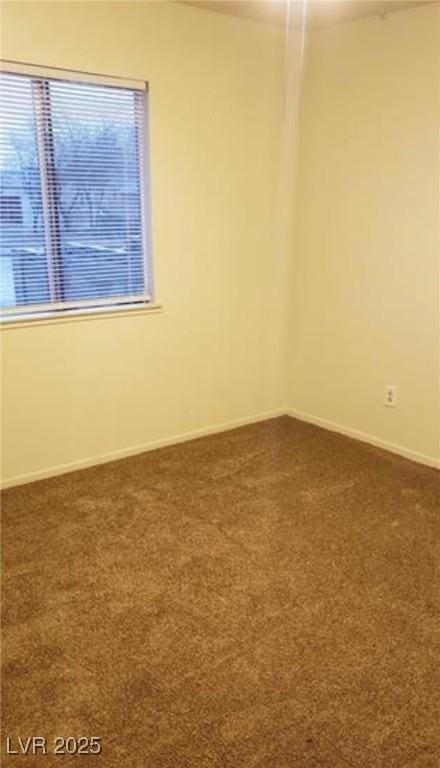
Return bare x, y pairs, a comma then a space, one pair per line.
220, 383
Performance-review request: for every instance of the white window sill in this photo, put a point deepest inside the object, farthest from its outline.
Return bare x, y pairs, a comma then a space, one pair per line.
79, 315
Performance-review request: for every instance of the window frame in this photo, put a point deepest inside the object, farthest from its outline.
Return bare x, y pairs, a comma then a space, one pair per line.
89, 308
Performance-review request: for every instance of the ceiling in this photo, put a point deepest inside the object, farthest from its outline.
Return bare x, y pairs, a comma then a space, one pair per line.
319, 12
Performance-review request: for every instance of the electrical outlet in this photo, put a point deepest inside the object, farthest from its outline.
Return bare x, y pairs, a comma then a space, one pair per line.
390, 396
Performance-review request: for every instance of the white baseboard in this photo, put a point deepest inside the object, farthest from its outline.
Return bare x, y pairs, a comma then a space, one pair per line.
407, 453
103, 458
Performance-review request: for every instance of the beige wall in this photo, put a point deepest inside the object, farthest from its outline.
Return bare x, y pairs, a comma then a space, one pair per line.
363, 298
75, 391
365, 273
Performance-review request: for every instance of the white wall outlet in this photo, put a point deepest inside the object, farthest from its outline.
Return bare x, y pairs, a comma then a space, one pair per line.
390, 396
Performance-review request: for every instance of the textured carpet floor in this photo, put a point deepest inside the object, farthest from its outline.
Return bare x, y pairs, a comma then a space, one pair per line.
267, 597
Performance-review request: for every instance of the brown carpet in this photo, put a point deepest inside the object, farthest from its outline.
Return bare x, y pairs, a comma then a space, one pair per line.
266, 597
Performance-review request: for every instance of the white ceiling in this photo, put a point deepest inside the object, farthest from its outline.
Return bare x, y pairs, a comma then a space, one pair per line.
319, 12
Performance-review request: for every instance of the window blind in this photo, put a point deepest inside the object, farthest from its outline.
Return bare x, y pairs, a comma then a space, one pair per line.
72, 194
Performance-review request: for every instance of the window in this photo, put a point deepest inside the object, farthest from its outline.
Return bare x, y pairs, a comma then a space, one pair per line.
73, 196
